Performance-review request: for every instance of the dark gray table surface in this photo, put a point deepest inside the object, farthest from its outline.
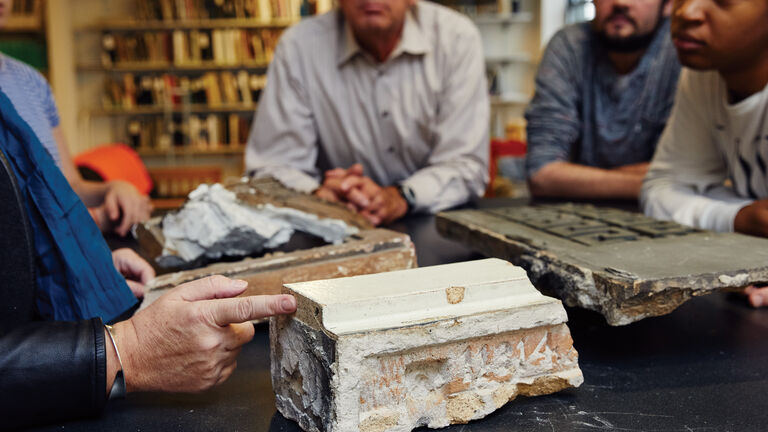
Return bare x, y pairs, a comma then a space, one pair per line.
703, 367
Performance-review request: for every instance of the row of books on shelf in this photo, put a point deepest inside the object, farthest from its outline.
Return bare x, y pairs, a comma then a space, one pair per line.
194, 47
179, 186
205, 133
180, 10
26, 7
210, 90
484, 7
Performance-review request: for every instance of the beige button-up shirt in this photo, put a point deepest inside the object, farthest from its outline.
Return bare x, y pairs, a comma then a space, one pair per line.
420, 118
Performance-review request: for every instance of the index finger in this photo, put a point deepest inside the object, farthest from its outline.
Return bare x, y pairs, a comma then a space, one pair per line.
126, 221
333, 185
356, 169
112, 207
146, 272
243, 309
145, 209
351, 183
326, 194
335, 173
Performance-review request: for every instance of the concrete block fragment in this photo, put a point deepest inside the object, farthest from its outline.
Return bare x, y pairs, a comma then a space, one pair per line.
431, 346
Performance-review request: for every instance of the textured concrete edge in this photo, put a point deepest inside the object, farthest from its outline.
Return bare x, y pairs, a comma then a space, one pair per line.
289, 378
575, 285
288, 374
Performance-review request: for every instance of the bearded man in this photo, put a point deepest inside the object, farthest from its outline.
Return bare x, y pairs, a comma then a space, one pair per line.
604, 91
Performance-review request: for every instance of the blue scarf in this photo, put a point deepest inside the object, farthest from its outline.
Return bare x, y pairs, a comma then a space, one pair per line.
76, 278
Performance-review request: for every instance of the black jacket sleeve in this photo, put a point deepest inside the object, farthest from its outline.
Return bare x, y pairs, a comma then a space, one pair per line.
49, 371
52, 371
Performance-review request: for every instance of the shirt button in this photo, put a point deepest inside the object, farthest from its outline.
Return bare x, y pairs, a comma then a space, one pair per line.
385, 113
391, 149
638, 128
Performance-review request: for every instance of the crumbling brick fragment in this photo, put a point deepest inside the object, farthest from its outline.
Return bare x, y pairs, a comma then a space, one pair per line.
430, 346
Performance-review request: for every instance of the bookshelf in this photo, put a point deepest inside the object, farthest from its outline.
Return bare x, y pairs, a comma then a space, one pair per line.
513, 33
158, 110
128, 25
28, 22
224, 150
24, 35
179, 80
502, 18
170, 67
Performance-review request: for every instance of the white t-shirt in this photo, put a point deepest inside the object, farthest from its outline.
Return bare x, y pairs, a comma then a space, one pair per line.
712, 158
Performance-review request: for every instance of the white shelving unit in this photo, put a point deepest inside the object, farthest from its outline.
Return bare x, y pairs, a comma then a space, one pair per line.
512, 43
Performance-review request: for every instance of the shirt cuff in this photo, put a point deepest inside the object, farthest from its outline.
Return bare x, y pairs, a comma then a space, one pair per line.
720, 217
536, 161
432, 193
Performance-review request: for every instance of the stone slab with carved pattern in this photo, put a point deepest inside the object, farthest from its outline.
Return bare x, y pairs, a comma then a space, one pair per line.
621, 264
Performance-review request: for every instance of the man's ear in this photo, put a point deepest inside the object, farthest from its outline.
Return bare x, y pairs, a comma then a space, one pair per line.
667, 8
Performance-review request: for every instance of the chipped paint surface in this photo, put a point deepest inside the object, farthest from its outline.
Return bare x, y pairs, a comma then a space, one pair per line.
409, 297
443, 370
454, 294
738, 280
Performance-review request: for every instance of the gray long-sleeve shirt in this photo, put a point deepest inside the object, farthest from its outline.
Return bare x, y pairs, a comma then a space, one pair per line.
586, 113
420, 118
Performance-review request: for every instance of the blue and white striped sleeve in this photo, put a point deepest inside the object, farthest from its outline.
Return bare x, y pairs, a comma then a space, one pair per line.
49, 103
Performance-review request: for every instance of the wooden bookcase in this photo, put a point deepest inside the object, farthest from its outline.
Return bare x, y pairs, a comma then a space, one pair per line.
176, 79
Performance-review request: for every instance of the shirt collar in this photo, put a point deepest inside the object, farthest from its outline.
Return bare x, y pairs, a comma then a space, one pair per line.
412, 40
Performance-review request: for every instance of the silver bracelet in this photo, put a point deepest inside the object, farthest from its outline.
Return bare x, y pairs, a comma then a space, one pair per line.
118, 385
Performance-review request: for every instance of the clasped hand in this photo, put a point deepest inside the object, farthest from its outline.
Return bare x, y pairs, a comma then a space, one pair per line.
380, 205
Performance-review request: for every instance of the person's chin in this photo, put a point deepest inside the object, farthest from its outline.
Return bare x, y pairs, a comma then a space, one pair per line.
696, 61
620, 31
377, 23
